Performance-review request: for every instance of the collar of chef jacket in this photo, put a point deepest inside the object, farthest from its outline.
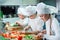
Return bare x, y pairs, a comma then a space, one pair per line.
54, 27
24, 21
36, 24
33, 23
48, 26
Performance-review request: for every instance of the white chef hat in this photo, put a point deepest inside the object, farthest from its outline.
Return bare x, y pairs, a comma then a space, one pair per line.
45, 9
53, 9
31, 10
22, 11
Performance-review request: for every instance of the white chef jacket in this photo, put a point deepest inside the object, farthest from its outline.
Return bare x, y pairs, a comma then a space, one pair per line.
55, 29
24, 21
36, 24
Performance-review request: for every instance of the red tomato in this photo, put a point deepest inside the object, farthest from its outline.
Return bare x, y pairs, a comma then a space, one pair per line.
13, 32
19, 37
6, 35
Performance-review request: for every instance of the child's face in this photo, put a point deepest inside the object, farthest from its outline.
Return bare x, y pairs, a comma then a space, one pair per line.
21, 16
44, 17
33, 16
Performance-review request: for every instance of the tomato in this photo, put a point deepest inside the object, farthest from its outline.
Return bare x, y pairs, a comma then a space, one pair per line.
13, 32
19, 37
6, 35
13, 36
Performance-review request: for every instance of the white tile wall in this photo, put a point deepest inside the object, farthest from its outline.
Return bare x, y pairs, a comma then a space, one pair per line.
11, 20
18, 2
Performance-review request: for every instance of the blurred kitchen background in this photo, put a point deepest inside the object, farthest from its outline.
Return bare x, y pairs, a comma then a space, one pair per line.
8, 8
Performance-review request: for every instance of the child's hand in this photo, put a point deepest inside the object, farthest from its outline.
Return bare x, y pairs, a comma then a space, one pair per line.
22, 32
44, 31
18, 23
40, 35
26, 28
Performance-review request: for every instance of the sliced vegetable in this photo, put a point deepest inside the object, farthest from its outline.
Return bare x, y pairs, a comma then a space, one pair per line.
19, 37
29, 37
15, 25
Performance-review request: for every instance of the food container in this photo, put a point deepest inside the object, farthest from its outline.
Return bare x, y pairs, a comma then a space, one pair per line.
14, 28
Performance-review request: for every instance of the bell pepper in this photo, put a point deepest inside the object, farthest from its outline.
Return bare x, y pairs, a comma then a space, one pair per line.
19, 37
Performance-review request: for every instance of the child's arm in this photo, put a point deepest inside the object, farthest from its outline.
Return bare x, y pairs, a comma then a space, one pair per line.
18, 23
26, 28
35, 32
43, 31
